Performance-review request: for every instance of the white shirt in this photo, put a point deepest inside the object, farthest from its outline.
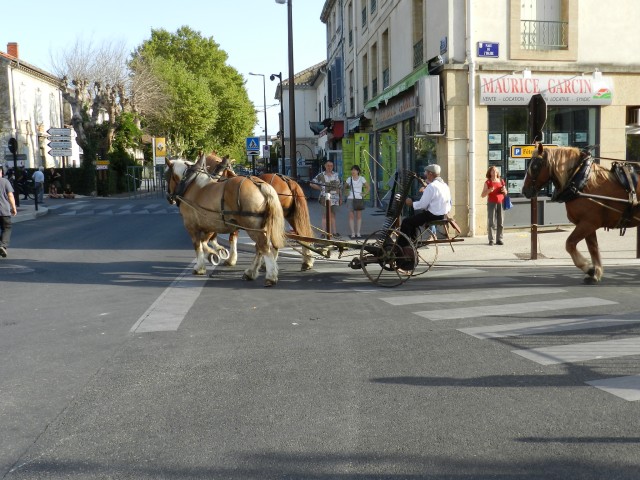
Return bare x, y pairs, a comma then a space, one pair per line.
356, 186
436, 198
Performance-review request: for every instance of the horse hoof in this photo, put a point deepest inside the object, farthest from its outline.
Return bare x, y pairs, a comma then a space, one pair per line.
246, 277
591, 272
269, 283
306, 267
224, 254
214, 259
591, 281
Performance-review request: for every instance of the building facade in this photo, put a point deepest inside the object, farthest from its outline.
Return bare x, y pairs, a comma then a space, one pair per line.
449, 81
30, 104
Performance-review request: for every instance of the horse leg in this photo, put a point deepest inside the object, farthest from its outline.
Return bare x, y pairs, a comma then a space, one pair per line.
200, 267
596, 272
233, 250
270, 262
251, 273
581, 232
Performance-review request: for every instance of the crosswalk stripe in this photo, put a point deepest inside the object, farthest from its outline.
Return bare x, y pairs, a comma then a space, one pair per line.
580, 352
443, 296
543, 326
627, 388
510, 309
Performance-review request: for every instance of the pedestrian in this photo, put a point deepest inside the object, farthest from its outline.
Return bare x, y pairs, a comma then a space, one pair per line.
358, 189
328, 182
38, 181
54, 180
495, 190
7, 210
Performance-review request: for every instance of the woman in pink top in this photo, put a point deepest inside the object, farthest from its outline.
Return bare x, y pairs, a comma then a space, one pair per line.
495, 189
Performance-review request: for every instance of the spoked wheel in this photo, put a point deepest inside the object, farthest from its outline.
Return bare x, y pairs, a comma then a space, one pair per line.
384, 261
427, 248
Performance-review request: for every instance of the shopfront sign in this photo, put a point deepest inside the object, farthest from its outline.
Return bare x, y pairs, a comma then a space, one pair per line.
587, 90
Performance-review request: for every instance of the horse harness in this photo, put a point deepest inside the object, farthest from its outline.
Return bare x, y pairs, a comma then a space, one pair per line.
577, 181
190, 176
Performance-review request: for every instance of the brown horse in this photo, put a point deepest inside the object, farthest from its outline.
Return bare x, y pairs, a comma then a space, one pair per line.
209, 207
593, 195
292, 199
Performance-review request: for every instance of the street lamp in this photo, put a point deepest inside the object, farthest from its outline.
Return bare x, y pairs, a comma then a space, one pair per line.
292, 100
273, 77
264, 99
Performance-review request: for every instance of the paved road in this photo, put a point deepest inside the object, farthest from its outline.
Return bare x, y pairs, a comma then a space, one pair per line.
116, 363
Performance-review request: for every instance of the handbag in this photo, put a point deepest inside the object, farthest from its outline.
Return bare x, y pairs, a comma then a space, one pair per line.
506, 203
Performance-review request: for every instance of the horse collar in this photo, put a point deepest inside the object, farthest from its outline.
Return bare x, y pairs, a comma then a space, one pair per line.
576, 183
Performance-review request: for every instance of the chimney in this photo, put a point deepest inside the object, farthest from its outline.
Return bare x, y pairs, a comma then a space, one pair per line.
12, 49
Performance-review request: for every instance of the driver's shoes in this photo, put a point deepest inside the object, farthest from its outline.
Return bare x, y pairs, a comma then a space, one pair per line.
3, 252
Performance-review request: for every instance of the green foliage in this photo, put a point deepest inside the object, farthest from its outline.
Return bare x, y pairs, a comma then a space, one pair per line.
209, 107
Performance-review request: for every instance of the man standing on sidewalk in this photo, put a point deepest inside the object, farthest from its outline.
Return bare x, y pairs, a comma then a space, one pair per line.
7, 210
38, 181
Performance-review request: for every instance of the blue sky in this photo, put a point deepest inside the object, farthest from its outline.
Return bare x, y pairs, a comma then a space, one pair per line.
252, 32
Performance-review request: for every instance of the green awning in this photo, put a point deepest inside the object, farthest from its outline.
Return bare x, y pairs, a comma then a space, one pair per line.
404, 84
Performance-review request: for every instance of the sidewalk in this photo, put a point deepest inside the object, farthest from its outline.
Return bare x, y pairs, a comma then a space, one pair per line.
27, 211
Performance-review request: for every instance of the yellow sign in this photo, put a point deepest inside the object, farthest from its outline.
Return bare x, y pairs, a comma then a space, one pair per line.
526, 151
161, 147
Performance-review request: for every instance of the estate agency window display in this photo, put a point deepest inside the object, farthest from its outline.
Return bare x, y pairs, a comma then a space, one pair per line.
573, 117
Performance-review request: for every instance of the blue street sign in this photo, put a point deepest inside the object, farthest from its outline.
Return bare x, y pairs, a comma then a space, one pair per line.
253, 145
488, 49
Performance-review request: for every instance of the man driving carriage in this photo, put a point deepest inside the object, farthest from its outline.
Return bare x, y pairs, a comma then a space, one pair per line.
434, 204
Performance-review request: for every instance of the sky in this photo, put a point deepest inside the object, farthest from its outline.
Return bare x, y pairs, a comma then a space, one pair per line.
252, 32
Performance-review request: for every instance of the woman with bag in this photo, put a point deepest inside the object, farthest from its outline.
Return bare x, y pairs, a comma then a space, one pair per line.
496, 190
358, 189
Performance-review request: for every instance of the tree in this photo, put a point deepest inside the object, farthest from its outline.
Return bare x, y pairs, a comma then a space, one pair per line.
207, 105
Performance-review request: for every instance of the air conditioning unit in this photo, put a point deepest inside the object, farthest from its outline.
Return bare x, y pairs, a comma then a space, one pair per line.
430, 110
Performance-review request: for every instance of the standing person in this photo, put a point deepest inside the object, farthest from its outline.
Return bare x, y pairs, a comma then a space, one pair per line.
358, 189
7, 210
329, 182
495, 189
38, 181
435, 203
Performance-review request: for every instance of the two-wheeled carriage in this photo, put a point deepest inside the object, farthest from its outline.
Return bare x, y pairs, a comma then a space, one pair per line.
388, 257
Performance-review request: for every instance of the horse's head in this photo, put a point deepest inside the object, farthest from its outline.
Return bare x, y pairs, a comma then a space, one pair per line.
218, 167
175, 172
538, 173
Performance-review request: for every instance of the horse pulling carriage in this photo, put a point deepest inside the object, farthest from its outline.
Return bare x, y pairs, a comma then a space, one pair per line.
206, 190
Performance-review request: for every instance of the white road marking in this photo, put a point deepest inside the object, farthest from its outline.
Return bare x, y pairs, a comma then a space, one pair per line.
512, 309
445, 296
627, 388
170, 308
580, 352
543, 326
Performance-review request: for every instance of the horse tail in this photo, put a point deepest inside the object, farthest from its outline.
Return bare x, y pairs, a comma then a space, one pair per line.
274, 220
301, 218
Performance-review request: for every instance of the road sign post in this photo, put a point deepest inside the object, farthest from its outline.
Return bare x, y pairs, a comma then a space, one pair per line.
60, 144
13, 148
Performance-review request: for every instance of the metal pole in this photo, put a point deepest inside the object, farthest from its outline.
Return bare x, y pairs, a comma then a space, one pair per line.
292, 98
534, 228
267, 161
281, 122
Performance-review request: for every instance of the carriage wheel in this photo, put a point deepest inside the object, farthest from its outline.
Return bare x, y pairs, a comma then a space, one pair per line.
427, 248
385, 262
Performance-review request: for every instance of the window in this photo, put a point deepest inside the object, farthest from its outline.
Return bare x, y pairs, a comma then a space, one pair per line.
365, 78
351, 97
418, 33
385, 59
350, 16
374, 70
364, 17
335, 81
373, 7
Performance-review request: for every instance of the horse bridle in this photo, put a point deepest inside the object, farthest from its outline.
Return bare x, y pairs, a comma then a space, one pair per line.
535, 166
190, 174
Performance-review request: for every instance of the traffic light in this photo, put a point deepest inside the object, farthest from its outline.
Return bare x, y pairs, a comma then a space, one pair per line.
13, 145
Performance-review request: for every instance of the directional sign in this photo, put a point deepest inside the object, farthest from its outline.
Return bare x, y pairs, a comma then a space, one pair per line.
253, 144
526, 151
59, 143
59, 132
60, 152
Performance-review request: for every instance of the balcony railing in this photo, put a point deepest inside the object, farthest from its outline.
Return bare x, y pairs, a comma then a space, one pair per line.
544, 35
418, 54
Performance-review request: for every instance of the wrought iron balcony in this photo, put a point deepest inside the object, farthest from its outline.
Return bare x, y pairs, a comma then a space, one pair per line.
544, 35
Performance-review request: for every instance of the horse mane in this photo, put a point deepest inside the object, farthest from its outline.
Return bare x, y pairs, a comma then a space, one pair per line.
562, 162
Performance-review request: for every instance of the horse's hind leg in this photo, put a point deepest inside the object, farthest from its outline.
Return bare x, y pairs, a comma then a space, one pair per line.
200, 267
233, 249
597, 270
